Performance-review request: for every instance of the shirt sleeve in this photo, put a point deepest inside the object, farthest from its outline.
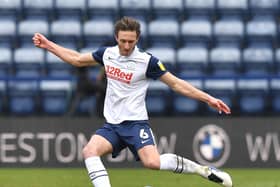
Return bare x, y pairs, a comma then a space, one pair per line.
155, 68
98, 55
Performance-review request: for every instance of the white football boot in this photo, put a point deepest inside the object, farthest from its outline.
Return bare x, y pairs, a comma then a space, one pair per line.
218, 176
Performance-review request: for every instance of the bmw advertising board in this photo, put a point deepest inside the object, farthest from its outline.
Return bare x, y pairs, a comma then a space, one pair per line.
216, 141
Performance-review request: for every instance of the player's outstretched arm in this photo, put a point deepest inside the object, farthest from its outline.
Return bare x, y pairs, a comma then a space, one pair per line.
186, 89
70, 56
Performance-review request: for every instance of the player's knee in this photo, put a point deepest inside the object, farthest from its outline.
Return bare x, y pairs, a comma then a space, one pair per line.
89, 151
152, 163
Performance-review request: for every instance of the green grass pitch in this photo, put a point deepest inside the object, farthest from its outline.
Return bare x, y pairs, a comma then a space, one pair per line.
77, 177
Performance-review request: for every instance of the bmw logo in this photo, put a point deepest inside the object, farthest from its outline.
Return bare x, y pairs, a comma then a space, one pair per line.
211, 145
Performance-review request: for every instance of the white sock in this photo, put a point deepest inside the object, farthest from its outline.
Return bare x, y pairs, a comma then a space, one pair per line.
178, 164
97, 172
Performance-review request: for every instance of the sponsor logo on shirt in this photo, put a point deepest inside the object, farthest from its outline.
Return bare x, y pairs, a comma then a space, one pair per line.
117, 74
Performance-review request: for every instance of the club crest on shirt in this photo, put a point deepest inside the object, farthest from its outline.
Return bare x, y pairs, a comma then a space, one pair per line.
117, 74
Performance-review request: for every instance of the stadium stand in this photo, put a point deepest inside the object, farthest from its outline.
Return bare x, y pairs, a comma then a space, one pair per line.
204, 41
187, 106
23, 96
55, 96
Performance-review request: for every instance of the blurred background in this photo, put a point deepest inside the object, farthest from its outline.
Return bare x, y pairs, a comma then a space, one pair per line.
229, 48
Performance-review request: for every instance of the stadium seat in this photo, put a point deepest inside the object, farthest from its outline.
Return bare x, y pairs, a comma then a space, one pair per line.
166, 55
196, 28
55, 96
98, 31
258, 58
223, 88
137, 9
70, 9
275, 94
161, 35
6, 62
253, 93
105, 9
225, 59
261, 27
204, 7
187, 106
277, 61
7, 32
56, 68
23, 96
192, 60
29, 62
66, 32
10, 9
239, 7
3, 95
157, 99
27, 28
167, 9
229, 28
38, 9
263, 6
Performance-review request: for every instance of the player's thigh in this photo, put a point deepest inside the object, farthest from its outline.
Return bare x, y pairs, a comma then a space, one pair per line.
97, 146
149, 156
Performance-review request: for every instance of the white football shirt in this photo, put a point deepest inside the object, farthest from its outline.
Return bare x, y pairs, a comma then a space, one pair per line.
127, 82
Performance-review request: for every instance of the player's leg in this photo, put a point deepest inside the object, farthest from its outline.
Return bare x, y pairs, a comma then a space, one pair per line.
171, 162
178, 164
96, 147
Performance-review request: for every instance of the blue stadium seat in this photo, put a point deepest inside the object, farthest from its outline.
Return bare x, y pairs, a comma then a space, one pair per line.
56, 68
204, 7
11, 9
166, 55
263, 6
161, 35
105, 9
23, 96
261, 27
27, 28
157, 99
70, 9
29, 62
137, 9
38, 9
3, 95
187, 106
275, 94
229, 28
5, 62
258, 58
192, 60
170, 9
55, 96
239, 7
223, 88
277, 61
253, 93
196, 28
66, 32
225, 59
96, 32
7, 32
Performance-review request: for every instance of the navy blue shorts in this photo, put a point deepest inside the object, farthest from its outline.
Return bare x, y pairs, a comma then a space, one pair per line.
131, 134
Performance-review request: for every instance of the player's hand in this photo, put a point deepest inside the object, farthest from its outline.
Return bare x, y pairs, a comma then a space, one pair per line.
40, 40
218, 105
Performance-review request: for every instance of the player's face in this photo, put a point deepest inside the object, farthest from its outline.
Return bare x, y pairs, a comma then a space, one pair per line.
126, 42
